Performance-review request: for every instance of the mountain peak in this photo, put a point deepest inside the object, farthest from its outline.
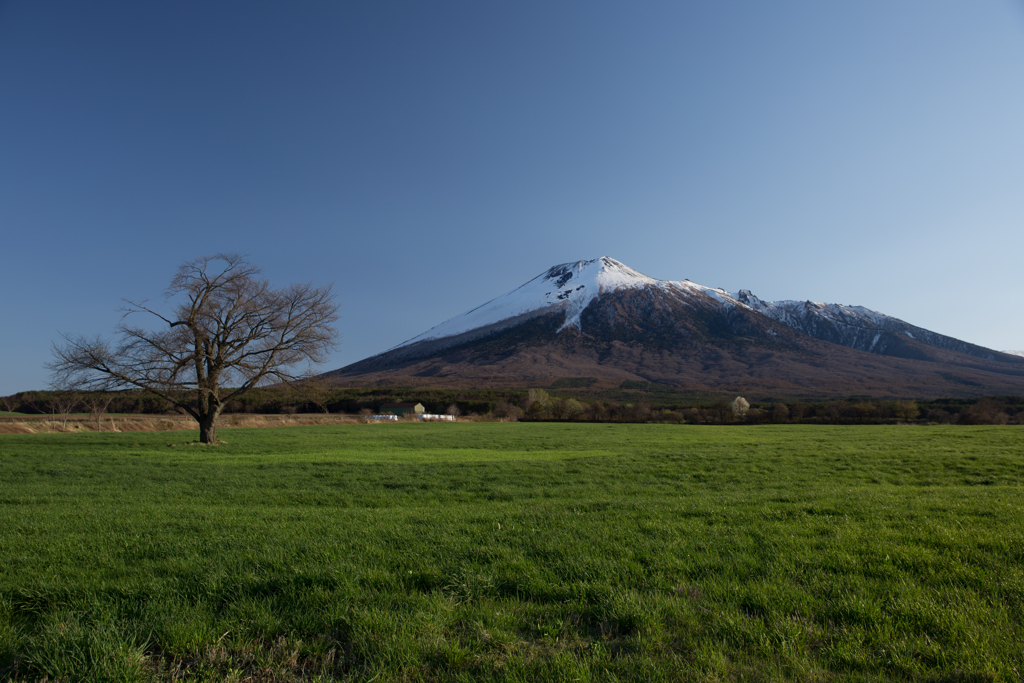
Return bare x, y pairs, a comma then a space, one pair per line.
567, 287
605, 272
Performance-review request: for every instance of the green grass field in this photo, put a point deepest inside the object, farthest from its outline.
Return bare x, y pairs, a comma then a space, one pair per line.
433, 552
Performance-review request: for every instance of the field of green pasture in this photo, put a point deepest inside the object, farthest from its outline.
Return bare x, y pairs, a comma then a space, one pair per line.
506, 552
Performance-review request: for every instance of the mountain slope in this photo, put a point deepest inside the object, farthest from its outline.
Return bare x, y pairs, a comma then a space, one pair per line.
859, 328
603, 319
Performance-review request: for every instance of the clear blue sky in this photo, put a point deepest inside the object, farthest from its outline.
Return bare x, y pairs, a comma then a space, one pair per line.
426, 157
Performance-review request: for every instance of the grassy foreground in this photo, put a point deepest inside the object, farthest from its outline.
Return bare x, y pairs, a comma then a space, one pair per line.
515, 552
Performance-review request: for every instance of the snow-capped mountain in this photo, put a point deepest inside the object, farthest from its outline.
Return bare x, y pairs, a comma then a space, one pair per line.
600, 318
568, 289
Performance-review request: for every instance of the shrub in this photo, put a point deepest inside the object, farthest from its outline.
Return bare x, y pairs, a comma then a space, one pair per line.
740, 407
504, 410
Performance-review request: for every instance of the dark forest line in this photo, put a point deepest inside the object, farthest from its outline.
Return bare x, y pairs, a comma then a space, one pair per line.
631, 402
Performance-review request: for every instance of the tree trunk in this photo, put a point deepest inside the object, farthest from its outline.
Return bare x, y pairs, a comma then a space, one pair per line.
208, 429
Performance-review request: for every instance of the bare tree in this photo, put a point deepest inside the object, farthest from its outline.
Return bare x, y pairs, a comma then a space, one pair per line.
315, 390
97, 403
227, 327
985, 411
62, 404
453, 410
10, 403
504, 410
640, 411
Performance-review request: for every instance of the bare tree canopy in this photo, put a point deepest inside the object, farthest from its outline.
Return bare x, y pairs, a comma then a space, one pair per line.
227, 330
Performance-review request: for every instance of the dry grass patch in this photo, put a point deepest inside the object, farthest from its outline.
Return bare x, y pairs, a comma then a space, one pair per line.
43, 424
280, 661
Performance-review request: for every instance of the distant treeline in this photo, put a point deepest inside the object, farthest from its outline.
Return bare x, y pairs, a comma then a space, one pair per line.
540, 405
311, 397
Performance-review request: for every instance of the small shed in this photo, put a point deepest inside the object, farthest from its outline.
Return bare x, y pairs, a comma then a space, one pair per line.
403, 408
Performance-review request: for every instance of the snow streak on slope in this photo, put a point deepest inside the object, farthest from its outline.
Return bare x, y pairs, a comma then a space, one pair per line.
569, 287
1015, 353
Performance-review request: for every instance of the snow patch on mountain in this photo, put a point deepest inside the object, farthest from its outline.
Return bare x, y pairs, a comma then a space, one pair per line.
856, 327
718, 294
792, 312
569, 287
1015, 353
